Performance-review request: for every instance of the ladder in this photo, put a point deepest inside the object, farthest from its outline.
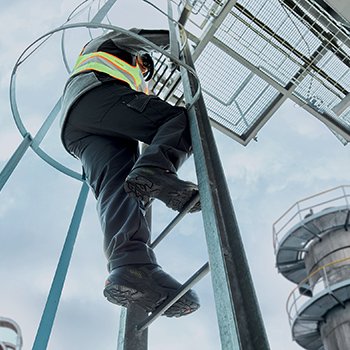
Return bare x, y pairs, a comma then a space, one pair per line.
239, 318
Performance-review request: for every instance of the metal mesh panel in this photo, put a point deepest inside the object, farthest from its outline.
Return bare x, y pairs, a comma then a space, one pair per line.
206, 8
346, 116
336, 68
316, 93
201, 6
259, 34
238, 99
264, 48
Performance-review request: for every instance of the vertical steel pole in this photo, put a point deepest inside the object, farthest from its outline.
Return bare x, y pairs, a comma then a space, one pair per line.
48, 316
236, 302
129, 338
102, 13
240, 321
14, 160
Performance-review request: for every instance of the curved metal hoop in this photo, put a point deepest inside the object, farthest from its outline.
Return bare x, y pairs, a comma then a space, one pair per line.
35, 145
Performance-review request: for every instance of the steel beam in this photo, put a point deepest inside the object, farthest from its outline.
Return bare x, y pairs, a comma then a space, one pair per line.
14, 160
208, 34
239, 317
240, 322
49, 314
129, 337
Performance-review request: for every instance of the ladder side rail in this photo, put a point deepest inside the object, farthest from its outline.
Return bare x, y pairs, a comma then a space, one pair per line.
15, 159
49, 314
240, 321
129, 337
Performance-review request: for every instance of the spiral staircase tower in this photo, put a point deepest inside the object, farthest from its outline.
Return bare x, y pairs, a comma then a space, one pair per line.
13, 327
312, 245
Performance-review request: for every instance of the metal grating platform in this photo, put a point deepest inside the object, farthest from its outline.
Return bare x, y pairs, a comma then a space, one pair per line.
235, 108
268, 51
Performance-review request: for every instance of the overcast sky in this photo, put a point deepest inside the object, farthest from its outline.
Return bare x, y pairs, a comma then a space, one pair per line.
295, 156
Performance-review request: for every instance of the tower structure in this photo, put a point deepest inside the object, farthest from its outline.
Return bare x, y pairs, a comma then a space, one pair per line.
312, 250
7, 344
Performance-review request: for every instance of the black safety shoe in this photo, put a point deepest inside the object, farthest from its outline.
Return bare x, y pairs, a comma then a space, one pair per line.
147, 182
148, 286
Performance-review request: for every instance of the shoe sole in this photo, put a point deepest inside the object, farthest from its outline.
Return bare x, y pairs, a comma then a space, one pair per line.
124, 296
144, 189
141, 188
183, 307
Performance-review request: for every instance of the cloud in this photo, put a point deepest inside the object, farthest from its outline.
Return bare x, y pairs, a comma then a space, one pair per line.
295, 156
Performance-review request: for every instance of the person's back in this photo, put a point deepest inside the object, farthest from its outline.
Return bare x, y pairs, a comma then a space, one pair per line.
106, 111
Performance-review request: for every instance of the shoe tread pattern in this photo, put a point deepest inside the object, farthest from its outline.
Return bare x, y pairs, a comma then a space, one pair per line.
149, 289
143, 189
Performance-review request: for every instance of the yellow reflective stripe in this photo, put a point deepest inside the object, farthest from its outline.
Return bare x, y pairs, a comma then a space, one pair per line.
110, 57
104, 69
112, 65
134, 71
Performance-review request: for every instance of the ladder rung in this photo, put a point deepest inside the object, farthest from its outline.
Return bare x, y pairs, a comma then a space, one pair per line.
185, 287
175, 221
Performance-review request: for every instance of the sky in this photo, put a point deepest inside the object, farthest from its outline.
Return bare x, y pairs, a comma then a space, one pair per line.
295, 156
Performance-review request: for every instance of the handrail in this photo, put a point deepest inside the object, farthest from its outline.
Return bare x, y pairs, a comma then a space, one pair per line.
293, 300
281, 226
11, 324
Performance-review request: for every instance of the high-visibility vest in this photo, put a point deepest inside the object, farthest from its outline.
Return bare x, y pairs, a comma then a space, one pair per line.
115, 67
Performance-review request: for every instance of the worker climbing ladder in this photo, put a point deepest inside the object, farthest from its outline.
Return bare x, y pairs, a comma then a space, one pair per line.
239, 318
238, 313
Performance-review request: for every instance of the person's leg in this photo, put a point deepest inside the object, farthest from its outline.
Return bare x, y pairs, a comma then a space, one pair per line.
116, 110
106, 162
119, 111
163, 127
134, 277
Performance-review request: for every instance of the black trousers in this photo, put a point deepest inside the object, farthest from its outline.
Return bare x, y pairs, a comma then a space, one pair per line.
102, 130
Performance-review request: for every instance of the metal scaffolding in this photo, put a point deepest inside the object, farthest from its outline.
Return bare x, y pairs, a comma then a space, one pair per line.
251, 56
248, 63
239, 317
